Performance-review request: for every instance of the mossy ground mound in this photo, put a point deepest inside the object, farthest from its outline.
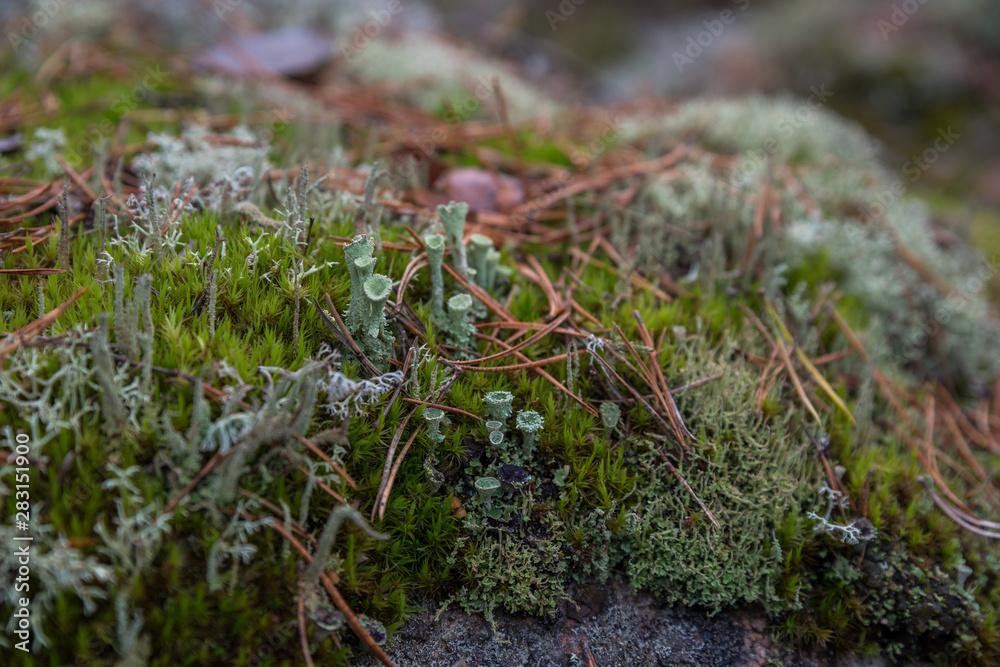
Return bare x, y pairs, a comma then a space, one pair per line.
195, 412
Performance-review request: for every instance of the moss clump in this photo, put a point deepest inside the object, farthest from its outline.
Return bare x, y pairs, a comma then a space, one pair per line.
235, 370
745, 470
514, 574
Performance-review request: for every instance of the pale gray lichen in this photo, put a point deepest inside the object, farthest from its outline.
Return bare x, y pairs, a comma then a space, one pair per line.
453, 220
376, 339
45, 146
529, 423
483, 258
460, 327
487, 487
498, 405
360, 249
436, 418
434, 246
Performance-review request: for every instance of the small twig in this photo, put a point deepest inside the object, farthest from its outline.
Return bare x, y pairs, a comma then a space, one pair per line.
202, 474
446, 408
520, 346
694, 495
340, 330
389, 458
330, 462
383, 499
33, 329
695, 384
337, 598
395, 394
303, 639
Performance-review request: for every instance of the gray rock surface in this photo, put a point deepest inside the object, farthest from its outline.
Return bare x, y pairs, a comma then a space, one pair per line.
617, 627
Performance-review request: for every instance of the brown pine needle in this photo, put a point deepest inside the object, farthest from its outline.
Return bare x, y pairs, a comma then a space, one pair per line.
319, 483
417, 263
546, 330
337, 598
446, 408
383, 500
555, 302
600, 180
786, 360
963, 446
657, 417
34, 329
654, 363
813, 371
387, 467
963, 519
634, 278
303, 639
556, 383
548, 361
330, 462
31, 272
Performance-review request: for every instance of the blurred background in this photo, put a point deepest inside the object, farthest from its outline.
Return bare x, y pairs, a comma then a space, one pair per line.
909, 70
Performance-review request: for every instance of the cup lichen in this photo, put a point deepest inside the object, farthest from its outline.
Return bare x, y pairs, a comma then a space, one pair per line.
529, 423
498, 405
453, 219
459, 324
434, 246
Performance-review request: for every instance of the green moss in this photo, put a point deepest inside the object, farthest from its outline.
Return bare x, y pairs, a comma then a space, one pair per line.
122, 416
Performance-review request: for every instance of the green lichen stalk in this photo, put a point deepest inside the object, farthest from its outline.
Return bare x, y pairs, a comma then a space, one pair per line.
498, 405
460, 326
361, 247
453, 218
376, 340
435, 418
610, 414
479, 250
434, 245
529, 423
